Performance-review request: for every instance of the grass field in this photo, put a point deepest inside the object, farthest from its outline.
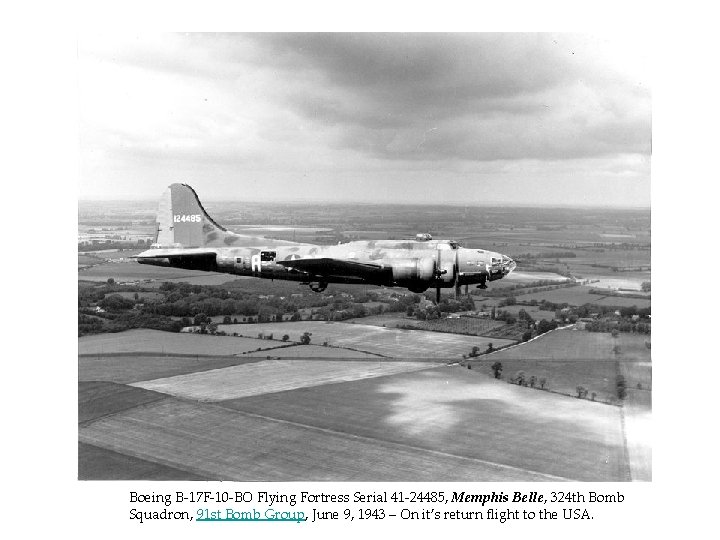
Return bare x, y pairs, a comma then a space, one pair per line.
95, 463
562, 376
156, 341
574, 296
99, 398
461, 325
268, 376
619, 301
570, 344
390, 320
390, 342
523, 277
134, 368
311, 351
213, 442
533, 311
450, 410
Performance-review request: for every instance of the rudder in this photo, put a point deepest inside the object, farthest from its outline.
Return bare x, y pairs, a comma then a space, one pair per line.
183, 222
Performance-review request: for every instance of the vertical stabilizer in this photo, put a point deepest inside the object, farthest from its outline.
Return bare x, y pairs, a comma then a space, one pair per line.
183, 222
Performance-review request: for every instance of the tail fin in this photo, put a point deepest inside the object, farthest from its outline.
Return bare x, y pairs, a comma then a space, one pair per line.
183, 222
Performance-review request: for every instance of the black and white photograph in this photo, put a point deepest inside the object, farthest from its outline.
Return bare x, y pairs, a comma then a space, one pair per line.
364, 257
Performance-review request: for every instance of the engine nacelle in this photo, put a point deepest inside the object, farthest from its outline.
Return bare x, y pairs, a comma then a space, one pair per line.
413, 273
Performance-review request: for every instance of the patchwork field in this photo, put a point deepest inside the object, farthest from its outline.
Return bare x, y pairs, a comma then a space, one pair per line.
97, 399
390, 342
311, 351
571, 344
268, 376
129, 368
451, 411
574, 296
522, 277
563, 376
371, 419
96, 463
619, 301
156, 341
221, 444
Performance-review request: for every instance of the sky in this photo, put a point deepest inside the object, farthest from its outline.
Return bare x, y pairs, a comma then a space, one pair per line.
484, 118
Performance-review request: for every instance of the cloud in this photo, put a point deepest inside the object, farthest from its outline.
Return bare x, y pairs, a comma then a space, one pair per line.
385, 107
476, 97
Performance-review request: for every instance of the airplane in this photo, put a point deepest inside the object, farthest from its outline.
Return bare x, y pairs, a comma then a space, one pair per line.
187, 237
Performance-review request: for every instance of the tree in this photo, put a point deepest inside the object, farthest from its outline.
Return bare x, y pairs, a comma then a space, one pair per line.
226, 319
527, 335
200, 318
543, 382
489, 348
620, 386
305, 338
111, 281
581, 391
475, 351
545, 326
285, 337
533, 379
115, 302
497, 368
520, 378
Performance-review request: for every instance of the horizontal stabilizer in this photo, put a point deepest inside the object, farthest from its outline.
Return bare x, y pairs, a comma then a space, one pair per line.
191, 259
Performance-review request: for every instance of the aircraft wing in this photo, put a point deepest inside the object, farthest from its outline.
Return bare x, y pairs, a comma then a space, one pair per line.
334, 267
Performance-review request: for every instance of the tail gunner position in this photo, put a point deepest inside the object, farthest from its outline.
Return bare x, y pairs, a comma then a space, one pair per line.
187, 237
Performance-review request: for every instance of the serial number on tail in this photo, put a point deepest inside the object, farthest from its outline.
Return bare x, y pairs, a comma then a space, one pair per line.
182, 218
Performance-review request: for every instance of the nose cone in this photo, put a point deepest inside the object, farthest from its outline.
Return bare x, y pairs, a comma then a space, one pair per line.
508, 265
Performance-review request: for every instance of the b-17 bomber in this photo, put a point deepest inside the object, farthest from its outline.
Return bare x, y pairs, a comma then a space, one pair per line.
187, 237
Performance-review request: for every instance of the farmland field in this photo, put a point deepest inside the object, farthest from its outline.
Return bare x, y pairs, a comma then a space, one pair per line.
155, 341
570, 344
310, 351
268, 376
461, 325
129, 368
99, 398
390, 320
388, 342
519, 277
450, 410
205, 440
619, 301
575, 296
95, 463
562, 376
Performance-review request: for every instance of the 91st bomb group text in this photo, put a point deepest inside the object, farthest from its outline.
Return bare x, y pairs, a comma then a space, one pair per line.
267, 506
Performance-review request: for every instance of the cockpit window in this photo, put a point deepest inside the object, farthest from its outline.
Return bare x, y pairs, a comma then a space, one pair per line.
267, 255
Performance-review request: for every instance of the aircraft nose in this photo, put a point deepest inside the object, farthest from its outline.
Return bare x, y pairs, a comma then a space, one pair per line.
508, 265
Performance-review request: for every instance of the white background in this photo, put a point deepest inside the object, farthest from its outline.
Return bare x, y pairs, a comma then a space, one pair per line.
39, 119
